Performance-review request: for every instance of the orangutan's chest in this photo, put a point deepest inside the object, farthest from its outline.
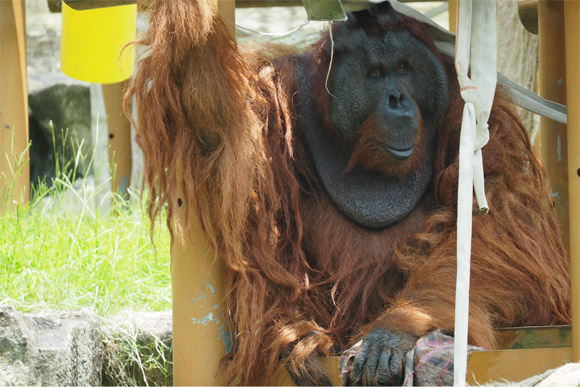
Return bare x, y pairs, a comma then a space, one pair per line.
331, 239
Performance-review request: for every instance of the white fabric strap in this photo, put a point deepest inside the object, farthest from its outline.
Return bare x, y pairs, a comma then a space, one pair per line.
465, 190
475, 42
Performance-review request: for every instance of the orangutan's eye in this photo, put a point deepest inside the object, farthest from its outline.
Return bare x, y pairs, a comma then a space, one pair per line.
402, 68
375, 73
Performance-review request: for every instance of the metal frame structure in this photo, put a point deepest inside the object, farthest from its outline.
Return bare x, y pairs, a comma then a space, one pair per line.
514, 361
200, 332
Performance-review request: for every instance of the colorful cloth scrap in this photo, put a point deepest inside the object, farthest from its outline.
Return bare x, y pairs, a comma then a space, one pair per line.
430, 362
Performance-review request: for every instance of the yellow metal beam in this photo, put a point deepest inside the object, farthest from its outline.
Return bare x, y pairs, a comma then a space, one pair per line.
55, 5
453, 15
120, 160
14, 167
572, 27
200, 334
514, 365
553, 87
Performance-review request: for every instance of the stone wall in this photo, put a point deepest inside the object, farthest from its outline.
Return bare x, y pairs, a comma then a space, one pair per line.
49, 349
81, 349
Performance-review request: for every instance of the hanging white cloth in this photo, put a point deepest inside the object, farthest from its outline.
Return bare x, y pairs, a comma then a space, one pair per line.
476, 44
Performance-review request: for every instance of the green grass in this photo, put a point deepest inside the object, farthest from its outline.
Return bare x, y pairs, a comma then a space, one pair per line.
60, 252
76, 259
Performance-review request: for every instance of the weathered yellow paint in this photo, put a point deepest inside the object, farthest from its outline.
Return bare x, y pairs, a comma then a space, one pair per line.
572, 27
120, 160
200, 335
199, 330
14, 166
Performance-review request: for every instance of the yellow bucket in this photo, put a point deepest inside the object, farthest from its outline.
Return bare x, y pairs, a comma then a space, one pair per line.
93, 40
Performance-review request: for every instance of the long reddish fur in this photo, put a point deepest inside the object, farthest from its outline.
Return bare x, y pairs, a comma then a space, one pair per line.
216, 128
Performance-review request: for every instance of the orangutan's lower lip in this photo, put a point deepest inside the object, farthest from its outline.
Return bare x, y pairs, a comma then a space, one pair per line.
400, 154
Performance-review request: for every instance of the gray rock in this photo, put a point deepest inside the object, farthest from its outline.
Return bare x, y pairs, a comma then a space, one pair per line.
60, 348
66, 110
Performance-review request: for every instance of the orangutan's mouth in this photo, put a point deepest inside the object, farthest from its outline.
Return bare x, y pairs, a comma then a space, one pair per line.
400, 154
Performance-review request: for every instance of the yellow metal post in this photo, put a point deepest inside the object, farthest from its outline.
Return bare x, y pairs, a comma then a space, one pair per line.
553, 87
453, 15
200, 335
572, 26
119, 126
14, 167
